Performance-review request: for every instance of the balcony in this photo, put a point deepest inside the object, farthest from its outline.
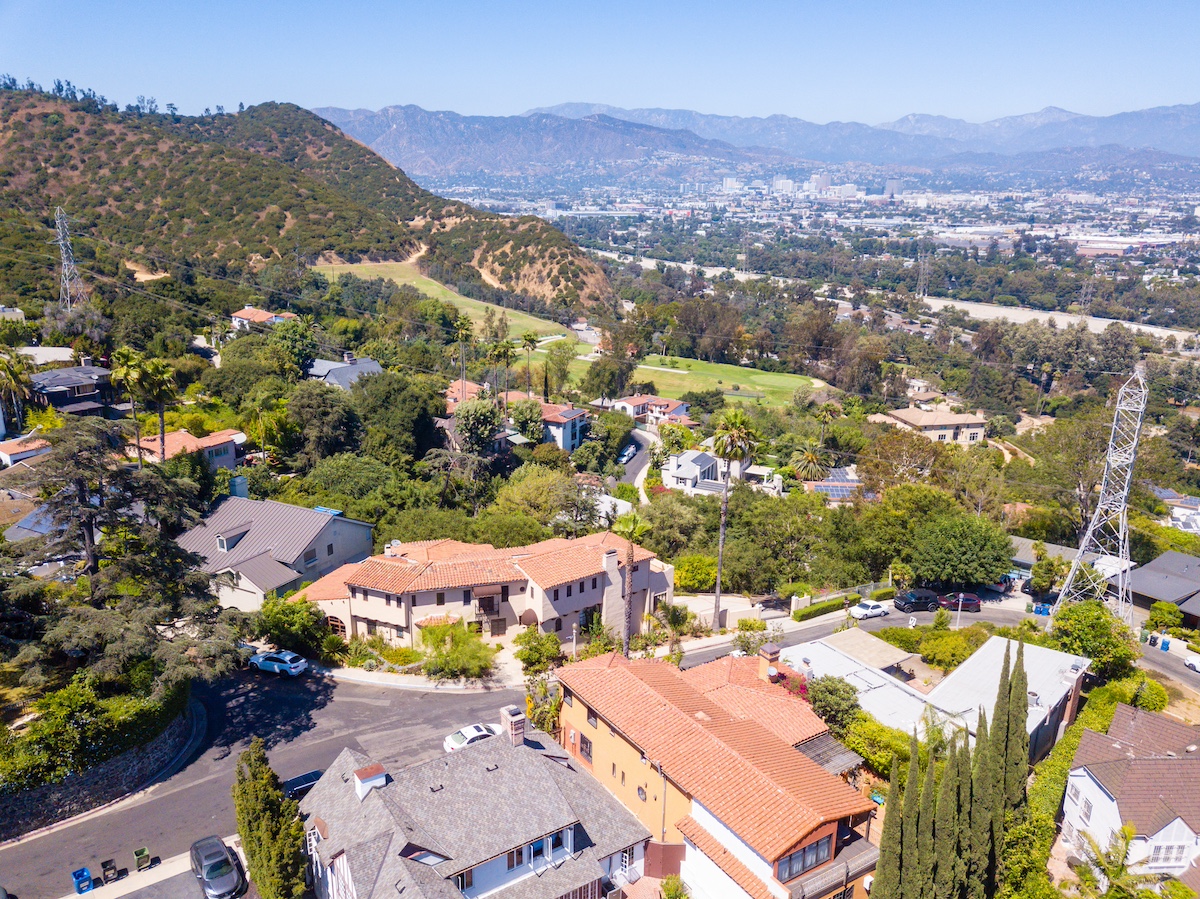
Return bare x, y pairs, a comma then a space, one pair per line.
854, 859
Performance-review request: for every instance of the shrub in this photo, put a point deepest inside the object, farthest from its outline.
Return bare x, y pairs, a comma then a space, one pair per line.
299, 626
883, 594
537, 652
751, 624
695, 574
835, 701
672, 887
907, 638
1164, 615
1194, 647
751, 641
453, 651
334, 649
816, 609
852, 598
877, 744
627, 492
400, 656
795, 588
945, 649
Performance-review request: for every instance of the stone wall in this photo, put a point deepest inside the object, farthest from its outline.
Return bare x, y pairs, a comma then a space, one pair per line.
30, 809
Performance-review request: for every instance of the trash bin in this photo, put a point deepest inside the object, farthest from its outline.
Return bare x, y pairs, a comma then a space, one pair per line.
1145, 635
108, 870
1028, 608
1154, 639
141, 859
1166, 644
83, 880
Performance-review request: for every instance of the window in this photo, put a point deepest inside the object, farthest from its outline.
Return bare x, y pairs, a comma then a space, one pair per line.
581, 586
569, 586
329, 550
556, 840
465, 880
591, 717
622, 778
516, 858
636, 567
974, 436
558, 624
804, 859
585, 748
466, 597
310, 557
568, 699
537, 849
222, 545
593, 583
614, 771
1086, 814
441, 599
1073, 792
642, 793
556, 594
1156, 855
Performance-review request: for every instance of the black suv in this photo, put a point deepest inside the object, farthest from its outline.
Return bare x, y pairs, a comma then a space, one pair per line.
918, 600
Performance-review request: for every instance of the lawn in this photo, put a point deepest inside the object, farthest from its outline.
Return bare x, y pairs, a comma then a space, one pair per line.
674, 376
408, 273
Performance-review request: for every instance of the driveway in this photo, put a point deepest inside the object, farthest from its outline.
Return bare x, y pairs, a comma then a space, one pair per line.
305, 722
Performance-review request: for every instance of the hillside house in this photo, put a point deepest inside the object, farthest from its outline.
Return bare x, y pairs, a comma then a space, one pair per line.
21, 448
938, 426
653, 410
1173, 577
701, 471
258, 547
250, 317
219, 449
342, 374
558, 585
84, 389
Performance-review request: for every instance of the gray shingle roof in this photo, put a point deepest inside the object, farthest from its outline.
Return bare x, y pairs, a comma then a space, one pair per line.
468, 807
342, 374
278, 529
72, 376
1172, 577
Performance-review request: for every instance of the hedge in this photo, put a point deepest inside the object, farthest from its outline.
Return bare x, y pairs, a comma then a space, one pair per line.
817, 608
751, 624
877, 744
852, 598
883, 594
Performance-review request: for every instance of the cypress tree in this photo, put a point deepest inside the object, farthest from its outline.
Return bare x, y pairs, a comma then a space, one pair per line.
1000, 716
910, 860
1016, 768
964, 815
981, 854
925, 823
887, 870
946, 883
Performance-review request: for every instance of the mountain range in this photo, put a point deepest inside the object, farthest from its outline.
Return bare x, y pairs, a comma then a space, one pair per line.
590, 142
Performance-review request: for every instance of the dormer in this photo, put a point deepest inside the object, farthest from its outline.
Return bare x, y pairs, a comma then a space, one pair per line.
229, 538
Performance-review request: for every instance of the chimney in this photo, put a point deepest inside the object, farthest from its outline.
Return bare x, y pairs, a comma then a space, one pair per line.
347, 357
248, 306
390, 549
768, 662
367, 779
513, 720
85, 361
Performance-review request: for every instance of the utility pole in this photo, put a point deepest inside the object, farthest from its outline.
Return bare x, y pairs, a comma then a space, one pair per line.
1107, 533
70, 285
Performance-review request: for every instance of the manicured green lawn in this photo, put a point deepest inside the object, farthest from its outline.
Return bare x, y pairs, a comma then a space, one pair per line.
407, 273
673, 377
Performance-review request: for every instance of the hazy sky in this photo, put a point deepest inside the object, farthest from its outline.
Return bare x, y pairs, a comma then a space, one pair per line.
835, 59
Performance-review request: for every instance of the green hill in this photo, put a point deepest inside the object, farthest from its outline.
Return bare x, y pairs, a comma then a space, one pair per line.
230, 192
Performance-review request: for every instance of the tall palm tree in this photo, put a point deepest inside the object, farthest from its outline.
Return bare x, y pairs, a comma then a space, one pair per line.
158, 388
736, 440
1107, 873
529, 342
127, 370
632, 527
671, 618
810, 461
464, 333
506, 354
826, 414
15, 384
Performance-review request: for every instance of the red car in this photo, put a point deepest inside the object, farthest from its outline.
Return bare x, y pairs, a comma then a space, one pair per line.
969, 601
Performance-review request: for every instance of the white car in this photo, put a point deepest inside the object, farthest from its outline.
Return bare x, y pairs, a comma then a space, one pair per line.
282, 662
472, 733
868, 608
1193, 662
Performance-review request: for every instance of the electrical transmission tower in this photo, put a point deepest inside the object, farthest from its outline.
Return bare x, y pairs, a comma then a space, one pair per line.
1107, 533
70, 289
1085, 298
922, 272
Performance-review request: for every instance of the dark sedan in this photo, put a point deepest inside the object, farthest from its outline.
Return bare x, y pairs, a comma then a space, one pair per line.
969, 602
917, 600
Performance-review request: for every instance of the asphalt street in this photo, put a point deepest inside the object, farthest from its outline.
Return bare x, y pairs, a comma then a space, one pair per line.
305, 722
639, 462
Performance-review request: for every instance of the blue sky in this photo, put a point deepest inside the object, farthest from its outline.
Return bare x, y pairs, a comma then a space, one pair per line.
832, 60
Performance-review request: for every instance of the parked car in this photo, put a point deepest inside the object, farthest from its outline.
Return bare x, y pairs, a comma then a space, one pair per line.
283, 662
1192, 662
217, 869
917, 600
299, 786
628, 453
472, 733
868, 608
969, 602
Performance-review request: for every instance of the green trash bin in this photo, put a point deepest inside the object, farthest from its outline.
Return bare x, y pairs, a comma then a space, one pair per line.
1028, 608
1145, 635
141, 859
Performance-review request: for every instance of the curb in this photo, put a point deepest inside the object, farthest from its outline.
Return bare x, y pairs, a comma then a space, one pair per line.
199, 718
353, 675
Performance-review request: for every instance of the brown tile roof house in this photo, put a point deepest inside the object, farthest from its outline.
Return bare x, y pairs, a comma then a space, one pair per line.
1146, 772
745, 784
219, 448
555, 583
511, 817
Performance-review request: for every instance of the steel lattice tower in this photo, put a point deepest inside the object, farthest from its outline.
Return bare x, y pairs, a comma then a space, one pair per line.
70, 285
1107, 533
922, 272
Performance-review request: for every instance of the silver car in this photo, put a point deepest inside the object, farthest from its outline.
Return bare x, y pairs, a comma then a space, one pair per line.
282, 662
217, 869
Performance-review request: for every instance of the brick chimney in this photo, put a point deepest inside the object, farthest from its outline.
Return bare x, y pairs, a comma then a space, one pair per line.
513, 721
367, 779
768, 662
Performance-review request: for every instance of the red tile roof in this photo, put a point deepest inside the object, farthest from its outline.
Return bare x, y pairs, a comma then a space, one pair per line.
331, 586
181, 441
744, 774
734, 685
724, 859
23, 445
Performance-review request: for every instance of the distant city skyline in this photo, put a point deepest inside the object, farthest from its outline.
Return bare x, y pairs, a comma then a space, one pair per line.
863, 61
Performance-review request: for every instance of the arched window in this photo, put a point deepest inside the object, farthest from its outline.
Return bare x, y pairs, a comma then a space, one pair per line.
336, 627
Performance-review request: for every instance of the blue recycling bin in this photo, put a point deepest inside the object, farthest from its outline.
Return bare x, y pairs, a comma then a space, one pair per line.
1166, 644
83, 880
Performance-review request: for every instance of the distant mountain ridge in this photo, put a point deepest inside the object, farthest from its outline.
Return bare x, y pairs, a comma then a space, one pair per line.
924, 138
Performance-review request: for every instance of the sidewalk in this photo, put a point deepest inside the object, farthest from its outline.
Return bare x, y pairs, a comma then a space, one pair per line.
164, 870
